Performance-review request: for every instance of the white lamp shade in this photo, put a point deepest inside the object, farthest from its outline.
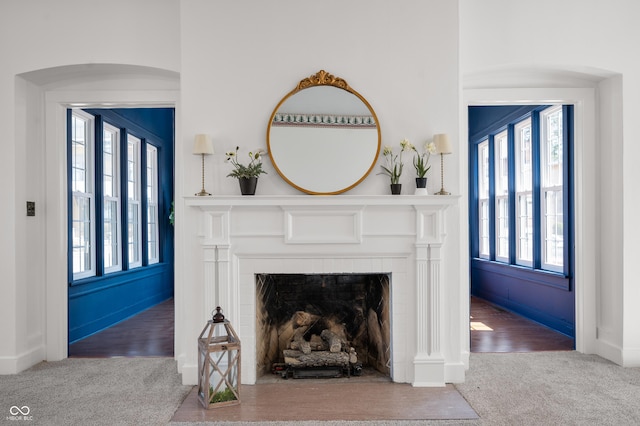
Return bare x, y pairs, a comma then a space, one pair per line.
203, 145
441, 141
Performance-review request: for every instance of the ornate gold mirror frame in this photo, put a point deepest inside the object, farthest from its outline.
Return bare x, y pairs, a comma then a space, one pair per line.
323, 137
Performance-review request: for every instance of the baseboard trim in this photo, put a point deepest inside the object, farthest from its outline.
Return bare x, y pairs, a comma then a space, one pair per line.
27, 359
631, 358
455, 372
610, 351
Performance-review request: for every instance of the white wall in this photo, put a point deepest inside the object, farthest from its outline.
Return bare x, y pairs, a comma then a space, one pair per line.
38, 41
589, 42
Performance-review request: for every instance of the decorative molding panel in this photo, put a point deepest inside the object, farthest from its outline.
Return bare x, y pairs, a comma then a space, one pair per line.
313, 226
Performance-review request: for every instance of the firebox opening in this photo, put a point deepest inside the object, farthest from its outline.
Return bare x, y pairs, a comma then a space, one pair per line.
315, 325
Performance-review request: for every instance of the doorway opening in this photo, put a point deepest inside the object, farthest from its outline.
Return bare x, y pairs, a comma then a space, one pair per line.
121, 245
521, 221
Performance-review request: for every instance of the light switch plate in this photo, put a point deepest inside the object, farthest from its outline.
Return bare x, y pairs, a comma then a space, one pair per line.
31, 208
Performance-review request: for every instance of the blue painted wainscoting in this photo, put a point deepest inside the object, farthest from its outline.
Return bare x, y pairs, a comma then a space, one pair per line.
546, 298
101, 304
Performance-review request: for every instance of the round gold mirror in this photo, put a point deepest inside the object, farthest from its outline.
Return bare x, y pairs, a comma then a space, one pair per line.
323, 137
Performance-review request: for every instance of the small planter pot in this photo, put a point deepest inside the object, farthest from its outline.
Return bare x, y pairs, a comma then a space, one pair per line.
396, 188
421, 186
248, 185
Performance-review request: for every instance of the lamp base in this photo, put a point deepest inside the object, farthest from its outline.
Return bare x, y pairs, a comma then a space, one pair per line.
442, 192
202, 193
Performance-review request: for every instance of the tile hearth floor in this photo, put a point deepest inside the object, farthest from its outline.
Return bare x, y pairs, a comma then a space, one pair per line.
346, 399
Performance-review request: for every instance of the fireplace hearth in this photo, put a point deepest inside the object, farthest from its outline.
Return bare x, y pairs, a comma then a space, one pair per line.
322, 325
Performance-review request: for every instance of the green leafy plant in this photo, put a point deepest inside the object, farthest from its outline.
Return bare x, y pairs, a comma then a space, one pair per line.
221, 396
253, 169
393, 162
421, 160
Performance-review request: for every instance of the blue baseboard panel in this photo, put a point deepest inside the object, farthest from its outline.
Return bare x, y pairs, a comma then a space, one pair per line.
547, 300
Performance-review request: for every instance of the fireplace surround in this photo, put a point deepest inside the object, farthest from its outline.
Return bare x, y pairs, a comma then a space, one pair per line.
398, 236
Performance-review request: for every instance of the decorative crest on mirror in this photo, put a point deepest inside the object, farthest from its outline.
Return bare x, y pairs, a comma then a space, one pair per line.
323, 78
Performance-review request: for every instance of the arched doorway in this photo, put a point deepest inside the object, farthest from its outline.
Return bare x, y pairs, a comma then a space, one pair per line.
46, 96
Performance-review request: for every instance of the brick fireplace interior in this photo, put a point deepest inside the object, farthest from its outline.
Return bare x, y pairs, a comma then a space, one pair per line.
357, 305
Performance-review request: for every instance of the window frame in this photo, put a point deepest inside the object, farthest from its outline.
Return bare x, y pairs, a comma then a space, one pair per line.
514, 123
523, 189
484, 239
546, 188
152, 195
116, 198
501, 213
88, 194
103, 121
134, 202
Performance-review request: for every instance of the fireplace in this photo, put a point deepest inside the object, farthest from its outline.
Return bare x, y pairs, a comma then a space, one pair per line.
322, 325
245, 241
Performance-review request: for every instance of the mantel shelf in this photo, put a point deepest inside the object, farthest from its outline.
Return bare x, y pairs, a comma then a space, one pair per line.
320, 200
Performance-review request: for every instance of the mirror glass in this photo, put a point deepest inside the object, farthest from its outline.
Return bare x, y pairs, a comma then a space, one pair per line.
323, 137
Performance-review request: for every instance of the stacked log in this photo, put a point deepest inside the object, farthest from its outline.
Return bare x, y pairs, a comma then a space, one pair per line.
308, 349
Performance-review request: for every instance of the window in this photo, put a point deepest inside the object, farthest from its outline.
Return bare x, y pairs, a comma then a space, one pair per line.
522, 191
134, 231
114, 187
82, 196
552, 165
111, 198
483, 198
501, 173
153, 255
524, 194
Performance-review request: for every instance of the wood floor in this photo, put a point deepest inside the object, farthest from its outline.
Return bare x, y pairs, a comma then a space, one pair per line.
494, 329
151, 333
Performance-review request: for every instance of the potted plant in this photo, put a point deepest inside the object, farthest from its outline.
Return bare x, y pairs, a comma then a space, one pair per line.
421, 164
247, 175
393, 165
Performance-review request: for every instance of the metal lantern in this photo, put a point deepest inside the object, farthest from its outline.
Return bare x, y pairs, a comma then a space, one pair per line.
218, 363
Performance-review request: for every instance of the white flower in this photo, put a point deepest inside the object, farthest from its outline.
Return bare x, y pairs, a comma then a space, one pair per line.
430, 147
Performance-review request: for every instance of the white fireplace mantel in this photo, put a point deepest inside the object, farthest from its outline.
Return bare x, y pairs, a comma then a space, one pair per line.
400, 235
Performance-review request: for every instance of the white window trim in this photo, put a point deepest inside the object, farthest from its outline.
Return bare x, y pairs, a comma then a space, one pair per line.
117, 198
520, 193
544, 189
482, 200
505, 196
153, 201
135, 201
90, 191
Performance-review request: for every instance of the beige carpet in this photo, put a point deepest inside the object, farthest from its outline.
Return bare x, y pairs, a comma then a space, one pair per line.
542, 388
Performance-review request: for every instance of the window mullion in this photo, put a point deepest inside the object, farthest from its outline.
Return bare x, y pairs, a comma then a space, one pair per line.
124, 196
143, 201
567, 194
